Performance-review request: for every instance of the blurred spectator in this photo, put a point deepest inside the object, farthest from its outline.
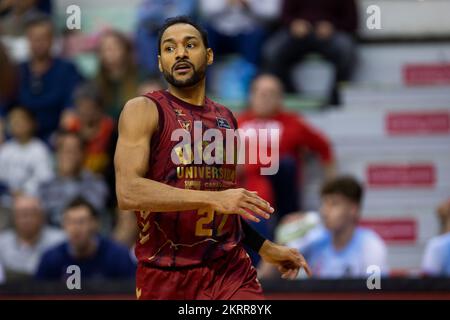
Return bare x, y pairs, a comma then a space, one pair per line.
94, 126
8, 84
118, 77
22, 247
46, 82
71, 179
151, 84
344, 250
98, 257
151, 15
25, 161
321, 26
15, 15
266, 112
436, 259
238, 26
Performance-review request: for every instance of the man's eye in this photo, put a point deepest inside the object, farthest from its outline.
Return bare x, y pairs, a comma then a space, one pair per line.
169, 49
190, 45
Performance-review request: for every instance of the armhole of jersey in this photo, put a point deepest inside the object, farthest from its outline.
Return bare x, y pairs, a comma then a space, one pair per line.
160, 128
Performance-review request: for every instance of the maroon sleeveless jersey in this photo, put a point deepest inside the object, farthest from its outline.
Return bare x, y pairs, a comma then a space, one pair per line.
189, 237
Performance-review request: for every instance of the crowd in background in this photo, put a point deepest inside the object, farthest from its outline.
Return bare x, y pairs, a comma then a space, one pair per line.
58, 130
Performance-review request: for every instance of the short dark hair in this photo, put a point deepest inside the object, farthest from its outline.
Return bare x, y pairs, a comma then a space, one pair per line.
186, 20
80, 201
346, 186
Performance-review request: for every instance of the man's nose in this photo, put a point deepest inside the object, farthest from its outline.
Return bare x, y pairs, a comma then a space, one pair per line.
181, 53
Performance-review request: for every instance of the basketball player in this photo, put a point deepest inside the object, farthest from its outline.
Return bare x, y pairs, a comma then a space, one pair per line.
190, 217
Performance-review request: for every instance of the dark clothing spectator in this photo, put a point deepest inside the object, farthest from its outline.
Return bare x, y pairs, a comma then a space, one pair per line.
238, 26
110, 261
49, 93
151, 15
325, 27
341, 14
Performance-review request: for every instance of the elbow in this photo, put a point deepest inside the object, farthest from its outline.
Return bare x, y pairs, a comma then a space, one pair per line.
125, 200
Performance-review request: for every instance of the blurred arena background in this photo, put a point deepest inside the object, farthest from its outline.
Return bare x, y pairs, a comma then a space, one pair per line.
389, 128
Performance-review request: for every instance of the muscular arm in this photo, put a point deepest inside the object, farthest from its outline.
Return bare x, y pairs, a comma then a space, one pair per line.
137, 123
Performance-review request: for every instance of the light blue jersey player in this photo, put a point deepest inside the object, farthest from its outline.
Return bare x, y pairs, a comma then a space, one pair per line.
341, 249
364, 249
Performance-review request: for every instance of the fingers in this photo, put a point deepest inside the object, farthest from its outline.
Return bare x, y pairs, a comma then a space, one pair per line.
303, 263
290, 274
247, 215
297, 261
306, 267
256, 210
253, 198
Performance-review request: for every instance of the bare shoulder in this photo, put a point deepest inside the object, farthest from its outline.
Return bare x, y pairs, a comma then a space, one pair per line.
139, 113
139, 106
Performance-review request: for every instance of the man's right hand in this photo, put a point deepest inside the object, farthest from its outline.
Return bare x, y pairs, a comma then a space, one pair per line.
243, 202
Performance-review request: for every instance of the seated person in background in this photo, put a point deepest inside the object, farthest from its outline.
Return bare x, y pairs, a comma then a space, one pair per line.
345, 250
296, 136
321, 26
71, 179
342, 250
22, 246
94, 126
98, 257
151, 15
238, 26
436, 259
117, 77
25, 161
151, 84
46, 82
14, 16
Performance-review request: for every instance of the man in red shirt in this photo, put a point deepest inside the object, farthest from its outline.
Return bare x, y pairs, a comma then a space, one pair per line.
266, 112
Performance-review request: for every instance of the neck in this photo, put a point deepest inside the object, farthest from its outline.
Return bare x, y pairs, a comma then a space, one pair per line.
69, 173
29, 239
116, 72
23, 140
87, 250
40, 64
194, 95
342, 238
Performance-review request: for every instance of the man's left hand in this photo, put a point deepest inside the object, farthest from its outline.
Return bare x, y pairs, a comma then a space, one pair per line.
287, 260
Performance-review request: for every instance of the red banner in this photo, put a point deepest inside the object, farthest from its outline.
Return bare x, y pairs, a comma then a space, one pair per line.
426, 74
418, 123
394, 175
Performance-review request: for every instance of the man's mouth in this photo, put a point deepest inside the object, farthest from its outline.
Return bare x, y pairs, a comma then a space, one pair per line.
182, 67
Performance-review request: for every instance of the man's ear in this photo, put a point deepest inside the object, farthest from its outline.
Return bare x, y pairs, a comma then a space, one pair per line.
159, 63
209, 56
